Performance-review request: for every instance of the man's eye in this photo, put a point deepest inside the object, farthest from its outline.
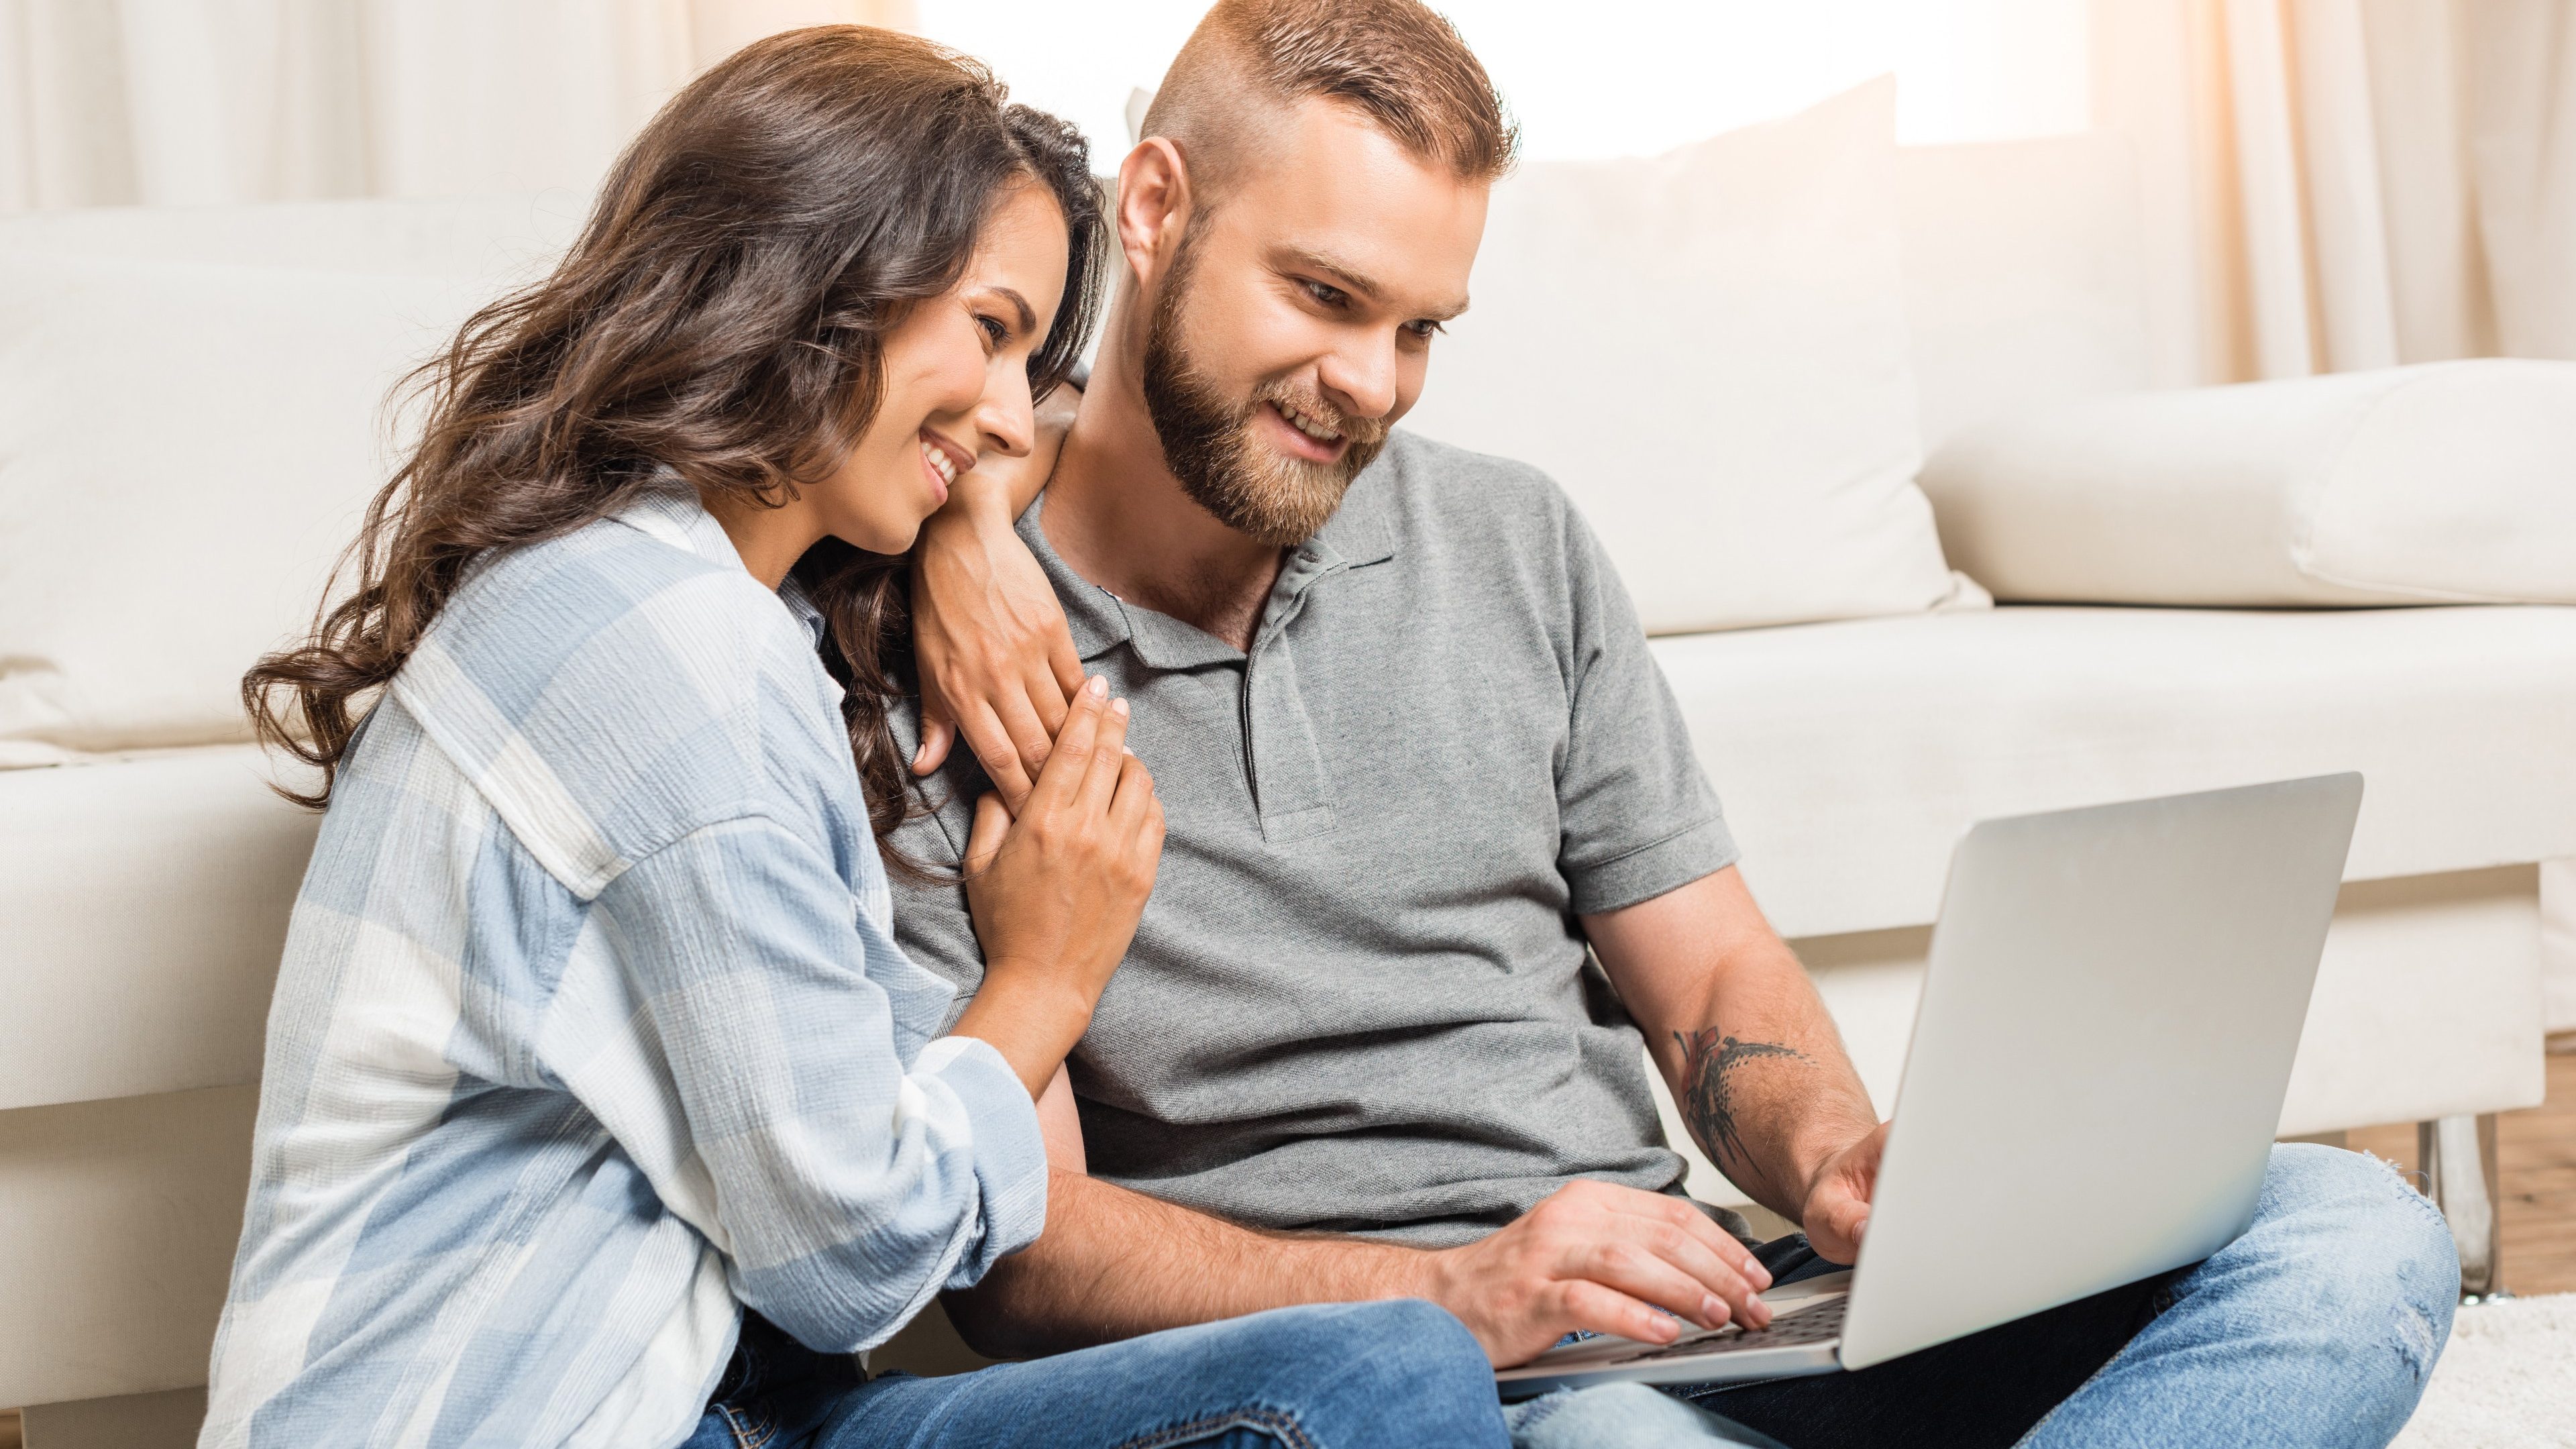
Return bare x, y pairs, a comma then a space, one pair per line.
1330, 296
1424, 328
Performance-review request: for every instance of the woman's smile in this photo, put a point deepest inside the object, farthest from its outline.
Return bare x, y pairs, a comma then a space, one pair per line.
942, 461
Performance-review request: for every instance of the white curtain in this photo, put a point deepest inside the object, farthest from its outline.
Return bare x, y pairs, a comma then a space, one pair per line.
2339, 184
178, 102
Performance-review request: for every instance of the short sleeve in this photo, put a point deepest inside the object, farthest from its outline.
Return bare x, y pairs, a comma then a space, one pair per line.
1637, 816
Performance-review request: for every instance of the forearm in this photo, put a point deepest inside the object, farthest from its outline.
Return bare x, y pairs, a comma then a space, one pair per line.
1761, 1077
1032, 1024
1113, 1264
1752, 1057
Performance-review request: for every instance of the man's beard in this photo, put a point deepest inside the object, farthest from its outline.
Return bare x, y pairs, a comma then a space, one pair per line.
1208, 441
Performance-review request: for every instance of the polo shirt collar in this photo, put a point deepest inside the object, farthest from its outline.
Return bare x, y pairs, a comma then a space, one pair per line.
1358, 534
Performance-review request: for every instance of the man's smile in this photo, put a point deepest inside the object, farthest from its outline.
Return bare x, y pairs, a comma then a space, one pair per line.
1302, 435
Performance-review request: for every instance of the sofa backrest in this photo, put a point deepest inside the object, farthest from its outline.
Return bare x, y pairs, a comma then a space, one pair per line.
191, 419
2019, 281
498, 237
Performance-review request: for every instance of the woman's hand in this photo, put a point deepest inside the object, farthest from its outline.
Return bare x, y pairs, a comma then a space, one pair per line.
1057, 892
997, 664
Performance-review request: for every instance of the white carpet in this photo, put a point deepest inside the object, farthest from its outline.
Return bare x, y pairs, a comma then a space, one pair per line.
2507, 1381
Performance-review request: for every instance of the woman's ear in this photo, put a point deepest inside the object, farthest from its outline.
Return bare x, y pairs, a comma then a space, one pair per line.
1153, 206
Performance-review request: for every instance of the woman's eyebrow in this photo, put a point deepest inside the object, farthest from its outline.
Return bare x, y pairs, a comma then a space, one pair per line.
1028, 317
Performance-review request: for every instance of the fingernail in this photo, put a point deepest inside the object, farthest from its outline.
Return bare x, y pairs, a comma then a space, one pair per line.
1096, 686
1759, 1276
1118, 707
1712, 1310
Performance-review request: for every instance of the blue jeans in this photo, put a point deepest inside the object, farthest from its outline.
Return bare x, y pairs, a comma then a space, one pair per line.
2316, 1327
1395, 1375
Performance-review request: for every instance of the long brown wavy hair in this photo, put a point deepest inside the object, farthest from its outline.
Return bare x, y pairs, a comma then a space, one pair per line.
720, 318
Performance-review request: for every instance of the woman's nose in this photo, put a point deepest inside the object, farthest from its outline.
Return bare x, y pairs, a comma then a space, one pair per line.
1007, 418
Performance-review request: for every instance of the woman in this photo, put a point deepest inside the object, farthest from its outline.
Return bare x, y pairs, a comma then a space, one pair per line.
591, 1034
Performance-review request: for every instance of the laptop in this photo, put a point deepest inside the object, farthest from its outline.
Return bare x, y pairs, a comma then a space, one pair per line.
2113, 1000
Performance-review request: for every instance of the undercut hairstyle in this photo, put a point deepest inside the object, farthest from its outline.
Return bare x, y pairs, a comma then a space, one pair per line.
1396, 62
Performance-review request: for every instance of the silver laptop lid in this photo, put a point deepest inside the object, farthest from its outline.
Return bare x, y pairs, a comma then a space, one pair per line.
2114, 998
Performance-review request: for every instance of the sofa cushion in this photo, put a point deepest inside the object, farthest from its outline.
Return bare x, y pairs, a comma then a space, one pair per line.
146, 902
184, 449
1850, 756
1708, 350
2446, 483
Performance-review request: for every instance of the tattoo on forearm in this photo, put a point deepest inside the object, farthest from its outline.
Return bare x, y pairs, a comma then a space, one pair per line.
1707, 1100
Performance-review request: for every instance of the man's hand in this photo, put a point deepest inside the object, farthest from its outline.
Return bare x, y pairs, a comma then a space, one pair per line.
1836, 1212
1600, 1257
997, 664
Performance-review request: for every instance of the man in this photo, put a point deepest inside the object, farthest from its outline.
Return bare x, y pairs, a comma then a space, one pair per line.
1420, 775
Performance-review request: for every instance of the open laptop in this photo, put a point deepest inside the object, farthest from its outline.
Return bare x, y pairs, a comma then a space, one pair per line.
2114, 997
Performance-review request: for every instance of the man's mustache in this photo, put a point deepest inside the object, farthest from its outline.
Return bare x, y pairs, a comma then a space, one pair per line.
1361, 432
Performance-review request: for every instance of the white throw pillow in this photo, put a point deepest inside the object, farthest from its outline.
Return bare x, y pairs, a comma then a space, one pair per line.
184, 450
1708, 350
2451, 482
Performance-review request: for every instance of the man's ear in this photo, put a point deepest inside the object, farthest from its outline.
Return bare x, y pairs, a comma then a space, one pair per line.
1154, 200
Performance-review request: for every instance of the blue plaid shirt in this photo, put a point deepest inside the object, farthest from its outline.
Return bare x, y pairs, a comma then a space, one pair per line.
591, 1028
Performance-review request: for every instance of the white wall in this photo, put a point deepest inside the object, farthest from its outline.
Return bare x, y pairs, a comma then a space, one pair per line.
1612, 77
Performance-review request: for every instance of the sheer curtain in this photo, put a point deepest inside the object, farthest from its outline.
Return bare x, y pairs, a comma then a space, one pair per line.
2339, 184
161, 102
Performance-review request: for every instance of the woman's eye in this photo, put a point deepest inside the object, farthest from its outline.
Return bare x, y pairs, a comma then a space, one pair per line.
995, 328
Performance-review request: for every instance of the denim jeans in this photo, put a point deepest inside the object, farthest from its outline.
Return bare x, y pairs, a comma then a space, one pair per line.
2317, 1327
1395, 1375
1621, 1416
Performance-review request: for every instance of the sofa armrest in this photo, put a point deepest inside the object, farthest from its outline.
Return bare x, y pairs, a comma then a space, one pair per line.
2452, 482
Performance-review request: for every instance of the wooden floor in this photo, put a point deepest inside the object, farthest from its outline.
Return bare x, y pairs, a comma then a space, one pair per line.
2536, 1161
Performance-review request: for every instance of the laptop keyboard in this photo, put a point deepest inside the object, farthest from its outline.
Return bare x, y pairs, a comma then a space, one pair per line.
1820, 1324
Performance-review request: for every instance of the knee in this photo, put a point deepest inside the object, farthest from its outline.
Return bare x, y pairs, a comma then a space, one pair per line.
2357, 1207
2373, 1251
1404, 1359
1405, 1339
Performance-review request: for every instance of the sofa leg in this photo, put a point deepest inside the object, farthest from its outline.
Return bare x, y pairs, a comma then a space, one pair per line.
2459, 1159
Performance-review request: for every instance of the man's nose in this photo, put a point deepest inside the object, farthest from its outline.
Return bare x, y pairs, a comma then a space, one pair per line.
1360, 378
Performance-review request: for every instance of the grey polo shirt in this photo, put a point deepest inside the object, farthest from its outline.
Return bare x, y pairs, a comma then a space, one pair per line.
1359, 1000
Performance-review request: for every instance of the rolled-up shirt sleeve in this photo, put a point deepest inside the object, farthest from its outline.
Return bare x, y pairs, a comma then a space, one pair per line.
844, 1185
1637, 814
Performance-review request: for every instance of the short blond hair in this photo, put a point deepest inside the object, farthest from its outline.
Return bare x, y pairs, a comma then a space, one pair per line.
1396, 62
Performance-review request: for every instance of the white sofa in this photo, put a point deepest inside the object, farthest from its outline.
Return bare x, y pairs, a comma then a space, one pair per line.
145, 877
